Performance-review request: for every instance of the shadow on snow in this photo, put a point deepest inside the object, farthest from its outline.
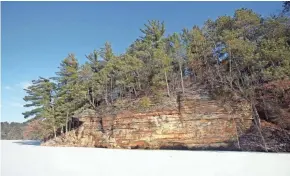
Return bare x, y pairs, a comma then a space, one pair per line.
35, 143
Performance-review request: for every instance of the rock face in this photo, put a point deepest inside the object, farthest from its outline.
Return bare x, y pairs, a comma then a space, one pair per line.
195, 122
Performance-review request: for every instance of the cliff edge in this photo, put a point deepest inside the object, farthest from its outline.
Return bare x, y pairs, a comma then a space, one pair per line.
194, 121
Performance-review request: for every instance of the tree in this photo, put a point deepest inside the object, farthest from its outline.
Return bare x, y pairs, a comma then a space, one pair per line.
34, 130
42, 97
163, 64
153, 42
286, 6
67, 81
153, 32
198, 52
107, 72
177, 52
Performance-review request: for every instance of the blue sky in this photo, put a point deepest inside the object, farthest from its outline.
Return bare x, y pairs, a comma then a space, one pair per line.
36, 36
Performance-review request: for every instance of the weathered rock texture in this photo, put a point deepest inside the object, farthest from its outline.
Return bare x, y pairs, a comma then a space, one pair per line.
195, 122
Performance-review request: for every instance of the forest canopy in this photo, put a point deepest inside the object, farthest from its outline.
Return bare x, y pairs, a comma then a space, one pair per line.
244, 55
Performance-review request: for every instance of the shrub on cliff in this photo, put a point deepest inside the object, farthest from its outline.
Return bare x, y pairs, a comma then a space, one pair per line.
145, 102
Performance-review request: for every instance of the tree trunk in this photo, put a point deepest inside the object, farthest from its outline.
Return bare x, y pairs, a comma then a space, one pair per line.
181, 77
66, 123
258, 125
112, 90
121, 91
106, 94
230, 65
168, 92
91, 99
124, 91
237, 133
139, 84
135, 91
54, 131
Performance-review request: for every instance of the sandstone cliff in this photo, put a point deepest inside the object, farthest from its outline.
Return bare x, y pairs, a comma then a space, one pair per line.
195, 121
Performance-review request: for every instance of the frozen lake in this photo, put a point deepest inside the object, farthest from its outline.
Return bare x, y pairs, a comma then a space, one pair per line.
27, 158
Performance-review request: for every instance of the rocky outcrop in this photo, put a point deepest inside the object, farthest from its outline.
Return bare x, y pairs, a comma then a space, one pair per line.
194, 122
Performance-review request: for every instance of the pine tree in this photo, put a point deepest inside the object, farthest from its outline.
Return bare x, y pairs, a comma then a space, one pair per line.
42, 97
67, 81
177, 52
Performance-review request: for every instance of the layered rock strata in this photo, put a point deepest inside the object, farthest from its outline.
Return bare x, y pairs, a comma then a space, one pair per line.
195, 122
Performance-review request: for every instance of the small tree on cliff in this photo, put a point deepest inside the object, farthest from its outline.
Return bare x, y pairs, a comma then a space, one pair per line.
158, 63
176, 52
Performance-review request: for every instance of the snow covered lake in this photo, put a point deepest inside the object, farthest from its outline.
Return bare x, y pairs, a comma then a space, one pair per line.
27, 158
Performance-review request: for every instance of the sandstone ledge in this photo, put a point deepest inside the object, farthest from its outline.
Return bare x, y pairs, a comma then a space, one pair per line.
195, 123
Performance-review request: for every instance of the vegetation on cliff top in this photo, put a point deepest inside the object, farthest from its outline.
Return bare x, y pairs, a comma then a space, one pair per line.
240, 56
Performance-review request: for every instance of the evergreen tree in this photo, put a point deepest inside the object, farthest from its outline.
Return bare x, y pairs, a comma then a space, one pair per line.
67, 88
41, 95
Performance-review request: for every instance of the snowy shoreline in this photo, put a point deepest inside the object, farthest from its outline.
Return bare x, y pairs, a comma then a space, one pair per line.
27, 158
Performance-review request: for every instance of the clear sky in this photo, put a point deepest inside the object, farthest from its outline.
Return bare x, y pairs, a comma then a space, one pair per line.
36, 36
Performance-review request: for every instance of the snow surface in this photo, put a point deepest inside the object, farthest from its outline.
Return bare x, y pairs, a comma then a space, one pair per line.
27, 158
